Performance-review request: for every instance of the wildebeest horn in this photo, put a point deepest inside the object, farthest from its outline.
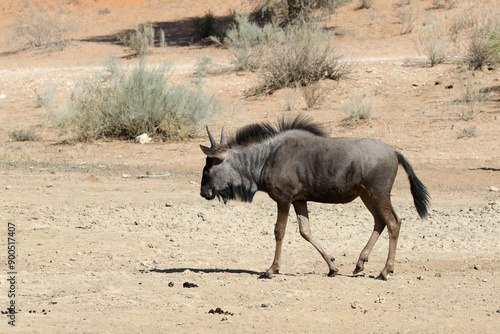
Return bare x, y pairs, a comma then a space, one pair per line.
222, 139
212, 140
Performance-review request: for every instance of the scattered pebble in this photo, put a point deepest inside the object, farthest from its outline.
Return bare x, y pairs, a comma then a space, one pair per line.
189, 285
218, 310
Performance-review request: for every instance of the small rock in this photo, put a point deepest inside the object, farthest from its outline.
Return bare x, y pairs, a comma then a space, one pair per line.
492, 188
477, 267
143, 139
171, 284
2, 97
189, 285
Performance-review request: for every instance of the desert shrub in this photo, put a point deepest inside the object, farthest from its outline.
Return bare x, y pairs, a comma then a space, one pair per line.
473, 97
40, 28
290, 97
125, 104
365, 4
205, 26
46, 97
202, 65
440, 4
474, 34
468, 132
482, 47
301, 57
408, 16
29, 134
358, 107
141, 41
313, 95
248, 42
433, 38
298, 10
104, 11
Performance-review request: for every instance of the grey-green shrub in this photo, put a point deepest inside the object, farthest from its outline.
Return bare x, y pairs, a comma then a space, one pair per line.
248, 42
46, 97
126, 104
303, 56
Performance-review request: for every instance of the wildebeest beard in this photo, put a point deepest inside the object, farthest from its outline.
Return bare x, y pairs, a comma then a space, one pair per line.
235, 192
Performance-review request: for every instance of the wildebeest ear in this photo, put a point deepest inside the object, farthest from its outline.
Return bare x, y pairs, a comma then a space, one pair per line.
214, 152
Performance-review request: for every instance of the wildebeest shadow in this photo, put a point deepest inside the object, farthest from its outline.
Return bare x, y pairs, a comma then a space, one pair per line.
259, 274
206, 271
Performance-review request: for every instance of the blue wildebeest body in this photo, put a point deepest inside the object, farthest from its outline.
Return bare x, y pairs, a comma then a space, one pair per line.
295, 163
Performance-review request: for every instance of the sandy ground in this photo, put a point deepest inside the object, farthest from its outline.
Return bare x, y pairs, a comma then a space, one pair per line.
102, 249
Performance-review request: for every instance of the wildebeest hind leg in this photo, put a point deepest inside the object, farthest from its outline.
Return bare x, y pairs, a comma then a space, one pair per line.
378, 227
393, 227
305, 232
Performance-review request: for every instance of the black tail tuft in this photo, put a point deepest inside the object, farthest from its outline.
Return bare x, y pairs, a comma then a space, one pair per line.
421, 196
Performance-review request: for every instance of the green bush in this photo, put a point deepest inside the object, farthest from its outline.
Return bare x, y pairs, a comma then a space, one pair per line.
126, 104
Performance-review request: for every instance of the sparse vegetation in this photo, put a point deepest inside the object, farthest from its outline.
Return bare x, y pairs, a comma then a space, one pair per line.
205, 26
440, 4
40, 28
300, 58
358, 107
202, 65
249, 42
433, 38
29, 134
313, 95
104, 11
365, 4
474, 36
473, 98
141, 41
46, 97
468, 132
126, 104
298, 10
408, 15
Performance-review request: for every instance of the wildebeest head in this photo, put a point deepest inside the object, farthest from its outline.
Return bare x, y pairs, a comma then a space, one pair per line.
222, 176
214, 177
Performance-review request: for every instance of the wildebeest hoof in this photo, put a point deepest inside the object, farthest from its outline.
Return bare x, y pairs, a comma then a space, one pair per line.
358, 269
265, 276
333, 272
381, 277
333, 259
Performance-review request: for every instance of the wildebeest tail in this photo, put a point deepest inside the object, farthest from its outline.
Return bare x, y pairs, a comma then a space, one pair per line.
421, 196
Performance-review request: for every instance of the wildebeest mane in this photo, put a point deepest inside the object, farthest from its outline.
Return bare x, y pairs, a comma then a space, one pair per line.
258, 132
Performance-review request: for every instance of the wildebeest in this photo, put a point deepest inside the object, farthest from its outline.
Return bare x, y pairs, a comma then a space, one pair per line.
295, 162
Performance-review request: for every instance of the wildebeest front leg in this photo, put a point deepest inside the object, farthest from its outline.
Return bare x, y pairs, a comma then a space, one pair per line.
305, 231
279, 232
